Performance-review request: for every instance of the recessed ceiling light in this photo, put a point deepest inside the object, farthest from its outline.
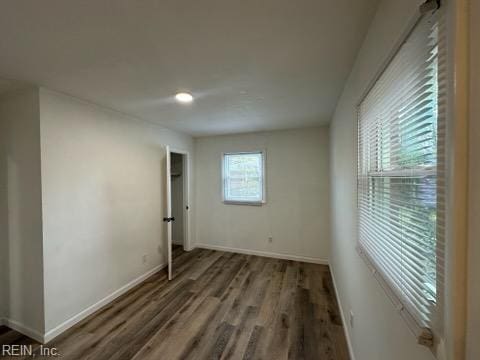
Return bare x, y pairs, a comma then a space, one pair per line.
184, 97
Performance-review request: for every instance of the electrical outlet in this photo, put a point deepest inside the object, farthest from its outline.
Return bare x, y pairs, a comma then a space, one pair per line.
270, 239
144, 258
352, 317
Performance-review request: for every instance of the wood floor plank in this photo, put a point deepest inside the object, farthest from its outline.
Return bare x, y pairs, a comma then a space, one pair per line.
274, 341
252, 343
239, 341
222, 337
187, 337
269, 307
205, 340
218, 306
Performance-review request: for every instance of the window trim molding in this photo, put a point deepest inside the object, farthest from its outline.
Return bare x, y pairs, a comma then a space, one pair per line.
457, 22
264, 179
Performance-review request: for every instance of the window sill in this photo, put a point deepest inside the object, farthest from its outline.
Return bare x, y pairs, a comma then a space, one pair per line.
250, 203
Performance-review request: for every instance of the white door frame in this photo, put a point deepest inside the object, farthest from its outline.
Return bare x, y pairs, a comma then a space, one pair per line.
168, 217
186, 197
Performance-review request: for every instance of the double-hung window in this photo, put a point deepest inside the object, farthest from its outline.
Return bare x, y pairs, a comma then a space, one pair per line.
401, 177
244, 178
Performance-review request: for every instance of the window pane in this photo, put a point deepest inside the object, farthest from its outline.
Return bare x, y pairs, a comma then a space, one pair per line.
243, 177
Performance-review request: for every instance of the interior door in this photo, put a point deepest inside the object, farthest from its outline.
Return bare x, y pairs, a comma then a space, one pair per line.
168, 218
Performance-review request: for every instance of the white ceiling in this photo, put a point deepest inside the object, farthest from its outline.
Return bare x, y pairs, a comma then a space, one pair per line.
7, 86
251, 64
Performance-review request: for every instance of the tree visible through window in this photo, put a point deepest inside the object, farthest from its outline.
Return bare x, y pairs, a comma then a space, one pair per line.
243, 176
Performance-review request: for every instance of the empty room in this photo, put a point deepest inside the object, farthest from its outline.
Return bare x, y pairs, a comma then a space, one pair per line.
269, 179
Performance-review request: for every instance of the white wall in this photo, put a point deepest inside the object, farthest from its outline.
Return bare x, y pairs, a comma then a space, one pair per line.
103, 201
296, 214
473, 330
20, 211
379, 332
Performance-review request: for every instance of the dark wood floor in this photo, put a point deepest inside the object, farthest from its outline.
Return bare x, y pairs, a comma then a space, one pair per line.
219, 306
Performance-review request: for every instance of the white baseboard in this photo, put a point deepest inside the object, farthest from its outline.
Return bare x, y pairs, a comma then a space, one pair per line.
23, 329
308, 259
53, 333
344, 319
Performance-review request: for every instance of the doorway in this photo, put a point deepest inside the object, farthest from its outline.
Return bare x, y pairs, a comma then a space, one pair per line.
179, 202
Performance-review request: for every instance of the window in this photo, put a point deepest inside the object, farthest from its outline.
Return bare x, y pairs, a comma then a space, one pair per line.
401, 177
243, 178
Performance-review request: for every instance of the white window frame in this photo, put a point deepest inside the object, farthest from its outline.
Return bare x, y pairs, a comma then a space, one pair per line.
422, 334
264, 181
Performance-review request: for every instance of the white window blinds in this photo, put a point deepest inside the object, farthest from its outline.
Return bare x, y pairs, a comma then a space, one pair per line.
243, 178
401, 177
